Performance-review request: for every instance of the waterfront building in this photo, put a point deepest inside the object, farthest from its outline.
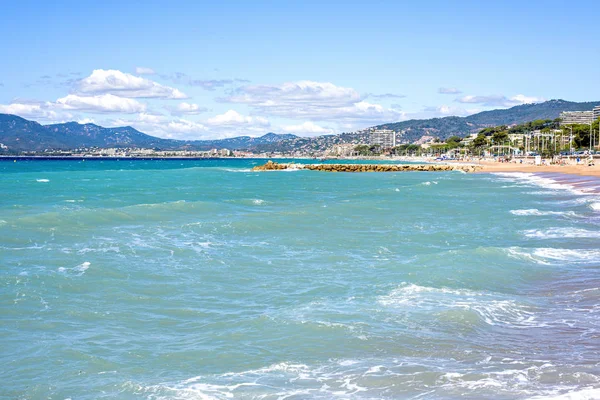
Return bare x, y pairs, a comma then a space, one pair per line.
466, 141
516, 139
596, 112
341, 150
386, 138
576, 117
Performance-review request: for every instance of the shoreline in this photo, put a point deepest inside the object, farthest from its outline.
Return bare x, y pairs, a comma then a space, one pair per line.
483, 166
570, 169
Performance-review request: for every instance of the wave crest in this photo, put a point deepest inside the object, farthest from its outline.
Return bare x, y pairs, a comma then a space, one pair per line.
492, 308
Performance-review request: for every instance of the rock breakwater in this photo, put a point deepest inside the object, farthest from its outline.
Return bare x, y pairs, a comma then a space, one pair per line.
273, 166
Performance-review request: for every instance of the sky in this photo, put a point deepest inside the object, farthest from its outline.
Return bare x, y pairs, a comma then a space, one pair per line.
208, 70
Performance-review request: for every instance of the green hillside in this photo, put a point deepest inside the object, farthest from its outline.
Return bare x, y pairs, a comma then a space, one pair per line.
462, 126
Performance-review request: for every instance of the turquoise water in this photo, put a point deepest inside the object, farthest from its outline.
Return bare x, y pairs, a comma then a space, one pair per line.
204, 280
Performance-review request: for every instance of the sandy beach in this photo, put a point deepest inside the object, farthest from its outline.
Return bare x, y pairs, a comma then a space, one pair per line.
572, 169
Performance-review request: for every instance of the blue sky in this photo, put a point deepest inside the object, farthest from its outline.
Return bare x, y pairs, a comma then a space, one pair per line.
199, 70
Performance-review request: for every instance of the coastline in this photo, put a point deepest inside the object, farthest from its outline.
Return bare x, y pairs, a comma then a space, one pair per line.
570, 169
485, 166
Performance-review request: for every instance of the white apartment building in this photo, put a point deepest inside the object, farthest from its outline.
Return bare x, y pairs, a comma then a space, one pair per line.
576, 117
386, 138
596, 112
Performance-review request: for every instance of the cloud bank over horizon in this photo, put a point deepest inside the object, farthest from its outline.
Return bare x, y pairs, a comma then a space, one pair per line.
237, 108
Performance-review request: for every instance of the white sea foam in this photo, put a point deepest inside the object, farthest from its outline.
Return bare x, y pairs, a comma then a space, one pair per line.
578, 255
595, 206
33, 247
43, 180
584, 394
536, 212
278, 381
233, 169
111, 249
78, 270
383, 378
258, 202
523, 380
558, 233
536, 180
493, 309
554, 255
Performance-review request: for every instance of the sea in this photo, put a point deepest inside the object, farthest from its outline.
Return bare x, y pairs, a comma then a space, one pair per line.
201, 279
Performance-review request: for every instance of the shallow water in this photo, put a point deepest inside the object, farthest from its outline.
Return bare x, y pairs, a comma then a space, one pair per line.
203, 279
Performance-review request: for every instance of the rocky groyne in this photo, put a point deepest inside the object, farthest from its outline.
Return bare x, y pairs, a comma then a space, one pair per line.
273, 166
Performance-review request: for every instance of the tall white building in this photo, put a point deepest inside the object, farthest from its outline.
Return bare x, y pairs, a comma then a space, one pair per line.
576, 117
596, 112
386, 138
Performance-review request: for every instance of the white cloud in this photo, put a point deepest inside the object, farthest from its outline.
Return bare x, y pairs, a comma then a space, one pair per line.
43, 111
497, 100
144, 71
364, 111
187, 109
522, 99
307, 128
299, 93
444, 90
84, 121
316, 101
386, 96
184, 126
102, 104
125, 85
181, 78
163, 127
229, 124
232, 117
446, 111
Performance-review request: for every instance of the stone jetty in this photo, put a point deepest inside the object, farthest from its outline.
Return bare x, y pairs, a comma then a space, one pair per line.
273, 166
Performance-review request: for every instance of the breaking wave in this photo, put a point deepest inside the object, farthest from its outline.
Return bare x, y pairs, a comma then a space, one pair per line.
536, 212
493, 309
558, 233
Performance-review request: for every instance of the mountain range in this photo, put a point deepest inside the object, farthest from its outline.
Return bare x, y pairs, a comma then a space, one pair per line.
449, 126
18, 134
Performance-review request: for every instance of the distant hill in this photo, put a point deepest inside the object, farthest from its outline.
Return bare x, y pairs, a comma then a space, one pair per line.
19, 134
462, 126
529, 112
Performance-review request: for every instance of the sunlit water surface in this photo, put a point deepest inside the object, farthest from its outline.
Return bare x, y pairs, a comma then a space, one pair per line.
205, 280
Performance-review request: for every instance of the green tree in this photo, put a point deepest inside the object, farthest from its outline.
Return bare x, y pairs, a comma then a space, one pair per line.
581, 135
362, 150
453, 142
375, 149
479, 142
500, 137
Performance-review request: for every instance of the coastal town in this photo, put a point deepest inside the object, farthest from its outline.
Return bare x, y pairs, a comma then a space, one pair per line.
574, 133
